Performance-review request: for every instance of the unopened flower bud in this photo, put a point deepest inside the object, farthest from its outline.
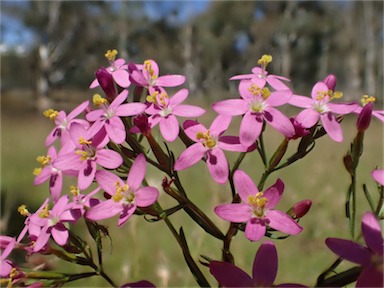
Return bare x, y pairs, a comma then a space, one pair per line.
300, 131
330, 81
107, 83
300, 209
364, 117
141, 125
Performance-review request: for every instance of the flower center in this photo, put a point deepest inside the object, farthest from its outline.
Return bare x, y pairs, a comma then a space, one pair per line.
45, 212
208, 140
258, 203
151, 73
122, 193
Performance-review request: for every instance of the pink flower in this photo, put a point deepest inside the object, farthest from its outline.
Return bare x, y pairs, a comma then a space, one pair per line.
108, 116
118, 69
260, 76
257, 209
63, 123
52, 222
147, 75
378, 175
164, 110
126, 197
319, 107
89, 151
370, 257
263, 273
257, 104
210, 144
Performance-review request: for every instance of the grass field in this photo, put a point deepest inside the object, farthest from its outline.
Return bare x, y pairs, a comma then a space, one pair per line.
142, 250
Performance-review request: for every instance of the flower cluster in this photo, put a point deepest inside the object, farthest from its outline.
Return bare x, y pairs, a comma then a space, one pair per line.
99, 146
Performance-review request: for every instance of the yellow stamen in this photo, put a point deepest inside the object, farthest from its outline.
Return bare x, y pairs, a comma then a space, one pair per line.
36, 171
264, 60
258, 202
111, 55
119, 194
82, 141
51, 114
98, 100
332, 95
43, 160
13, 273
74, 190
367, 99
208, 140
148, 67
84, 155
23, 210
152, 98
45, 212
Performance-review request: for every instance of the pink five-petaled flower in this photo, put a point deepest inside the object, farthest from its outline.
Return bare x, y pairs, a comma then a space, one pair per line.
147, 75
210, 143
370, 257
257, 209
319, 107
164, 109
52, 222
89, 151
260, 76
264, 270
118, 69
378, 175
125, 197
108, 116
257, 104
63, 123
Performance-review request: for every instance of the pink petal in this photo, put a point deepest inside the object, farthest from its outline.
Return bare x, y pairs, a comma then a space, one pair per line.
60, 206
231, 143
68, 161
242, 77
279, 121
231, 107
44, 175
282, 222
229, 275
119, 99
301, 101
319, 87
190, 156
42, 239
179, 97
260, 82
137, 172
170, 80
169, 128
188, 111
108, 158
371, 230
107, 181
276, 83
121, 77
5, 268
308, 117
86, 174
278, 98
371, 277
116, 130
244, 89
60, 234
255, 230
342, 108
378, 175
104, 210
244, 185
273, 194
250, 129
130, 109
217, 165
349, 250
265, 265
79, 109
94, 84
332, 127
146, 196
95, 115
191, 128
138, 78
236, 213
8, 249
219, 125
126, 213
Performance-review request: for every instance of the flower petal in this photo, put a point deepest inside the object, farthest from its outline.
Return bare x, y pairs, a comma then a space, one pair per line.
104, 210
179, 97
282, 222
191, 128
188, 111
349, 250
219, 125
265, 265
250, 128
301, 101
107, 181
137, 172
236, 213
232, 143
255, 230
169, 128
130, 109
170, 80
279, 121
343, 108
273, 194
217, 165
126, 213
229, 275
244, 185
278, 98
370, 277
332, 127
121, 77
116, 130
378, 175
371, 230
108, 158
146, 196
231, 107
190, 156
308, 117
60, 234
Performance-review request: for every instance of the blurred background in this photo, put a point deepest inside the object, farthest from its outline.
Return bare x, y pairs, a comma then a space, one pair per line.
50, 50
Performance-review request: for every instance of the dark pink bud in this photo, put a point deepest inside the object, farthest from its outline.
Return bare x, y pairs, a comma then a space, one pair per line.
300, 209
141, 124
330, 81
300, 131
364, 117
107, 83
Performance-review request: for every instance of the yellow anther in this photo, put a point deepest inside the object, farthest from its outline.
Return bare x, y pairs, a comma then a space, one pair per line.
148, 67
36, 171
83, 154
152, 98
367, 99
265, 92
98, 100
74, 190
336, 94
82, 141
254, 89
23, 210
13, 273
51, 114
332, 95
45, 212
43, 160
264, 60
258, 202
208, 140
111, 55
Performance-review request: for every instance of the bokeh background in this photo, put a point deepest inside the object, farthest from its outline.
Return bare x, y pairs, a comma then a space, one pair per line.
51, 49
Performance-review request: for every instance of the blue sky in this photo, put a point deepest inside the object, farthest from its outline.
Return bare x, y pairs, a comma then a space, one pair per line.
14, 33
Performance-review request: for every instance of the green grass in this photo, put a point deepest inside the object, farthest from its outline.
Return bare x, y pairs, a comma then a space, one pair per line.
142, 250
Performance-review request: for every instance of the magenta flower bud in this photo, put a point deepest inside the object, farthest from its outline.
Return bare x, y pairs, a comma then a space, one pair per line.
300, 209
364, 117
107, 83
141, 124
330, 81
300, 131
